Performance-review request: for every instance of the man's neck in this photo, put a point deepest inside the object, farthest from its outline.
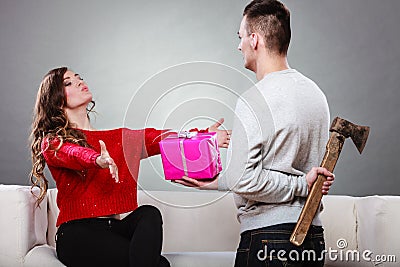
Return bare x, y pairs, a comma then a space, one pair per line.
270, 63
79, 118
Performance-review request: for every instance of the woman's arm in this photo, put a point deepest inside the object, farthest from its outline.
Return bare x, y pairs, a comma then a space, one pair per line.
68, 155
151, 139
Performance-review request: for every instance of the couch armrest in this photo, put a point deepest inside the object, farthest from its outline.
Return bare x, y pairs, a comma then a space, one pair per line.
22, 225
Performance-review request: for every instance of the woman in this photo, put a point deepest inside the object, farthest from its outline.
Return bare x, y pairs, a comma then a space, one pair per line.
95, 184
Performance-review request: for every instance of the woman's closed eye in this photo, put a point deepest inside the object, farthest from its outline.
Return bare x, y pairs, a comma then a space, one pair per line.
69, 83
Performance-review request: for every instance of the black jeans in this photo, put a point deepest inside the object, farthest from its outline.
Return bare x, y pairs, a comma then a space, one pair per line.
270, 246
135, 240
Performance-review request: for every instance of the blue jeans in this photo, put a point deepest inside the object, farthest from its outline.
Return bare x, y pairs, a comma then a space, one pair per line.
270, 246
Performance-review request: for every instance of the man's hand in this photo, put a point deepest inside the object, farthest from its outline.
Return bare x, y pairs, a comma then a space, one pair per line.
199, 184
223, 136
105, 161
313, 174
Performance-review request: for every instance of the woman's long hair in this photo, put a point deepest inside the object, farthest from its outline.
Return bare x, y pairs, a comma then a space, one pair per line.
51, 122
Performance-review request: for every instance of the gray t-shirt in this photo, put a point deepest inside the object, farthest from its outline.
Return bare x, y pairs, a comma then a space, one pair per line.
279, 133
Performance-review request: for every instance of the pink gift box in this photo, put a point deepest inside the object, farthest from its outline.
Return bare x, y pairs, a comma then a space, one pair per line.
193, 156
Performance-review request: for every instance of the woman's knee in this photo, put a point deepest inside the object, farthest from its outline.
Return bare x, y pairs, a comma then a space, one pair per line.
151, 213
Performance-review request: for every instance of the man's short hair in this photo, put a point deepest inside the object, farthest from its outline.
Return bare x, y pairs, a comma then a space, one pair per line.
270, 18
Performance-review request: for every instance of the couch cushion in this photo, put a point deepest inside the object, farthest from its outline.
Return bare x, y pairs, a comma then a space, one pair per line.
201, 259
52, 214
339, 221
43, 256
202, 221
378, 221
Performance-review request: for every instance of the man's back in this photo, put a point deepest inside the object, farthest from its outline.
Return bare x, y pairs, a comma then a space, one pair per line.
301, 120
282, 124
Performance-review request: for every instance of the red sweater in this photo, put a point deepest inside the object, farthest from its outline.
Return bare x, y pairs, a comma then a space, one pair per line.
84, 189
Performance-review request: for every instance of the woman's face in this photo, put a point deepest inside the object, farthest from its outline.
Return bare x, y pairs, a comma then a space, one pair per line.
76, 91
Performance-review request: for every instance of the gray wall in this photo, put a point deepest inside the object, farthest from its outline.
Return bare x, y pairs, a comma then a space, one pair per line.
350, 48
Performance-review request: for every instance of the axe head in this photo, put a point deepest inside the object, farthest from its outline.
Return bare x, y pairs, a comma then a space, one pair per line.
359, 134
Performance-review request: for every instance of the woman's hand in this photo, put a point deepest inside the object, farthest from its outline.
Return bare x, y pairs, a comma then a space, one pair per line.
105, 161
223, 136
199, 184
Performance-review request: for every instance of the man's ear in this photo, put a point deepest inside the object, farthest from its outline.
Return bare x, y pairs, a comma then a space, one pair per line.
254, 40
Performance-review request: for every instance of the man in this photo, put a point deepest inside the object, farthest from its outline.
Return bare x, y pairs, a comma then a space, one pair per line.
279, 134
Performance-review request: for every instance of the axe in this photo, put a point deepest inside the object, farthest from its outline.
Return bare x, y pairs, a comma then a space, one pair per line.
340, 130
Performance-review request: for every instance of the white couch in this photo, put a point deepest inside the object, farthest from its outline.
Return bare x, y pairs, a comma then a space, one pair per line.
200, 228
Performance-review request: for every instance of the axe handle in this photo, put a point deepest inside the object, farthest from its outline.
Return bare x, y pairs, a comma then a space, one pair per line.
333, 149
